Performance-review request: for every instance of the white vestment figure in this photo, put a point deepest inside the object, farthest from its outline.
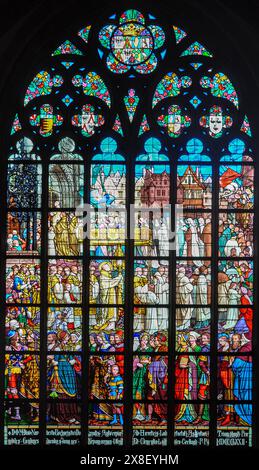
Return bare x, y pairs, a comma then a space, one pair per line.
197, 245
184, 296
68, 296
93, 295
108, 295
181, 245
162, 292
51, 242
195, 239
202, 312
148, 321
57, 288
94, 288
223, 299
232, 312
162, 235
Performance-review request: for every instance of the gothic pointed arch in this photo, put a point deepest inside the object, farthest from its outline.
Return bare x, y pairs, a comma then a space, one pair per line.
128, 284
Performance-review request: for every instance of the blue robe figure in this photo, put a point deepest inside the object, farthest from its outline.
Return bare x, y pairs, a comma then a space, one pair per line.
242, 389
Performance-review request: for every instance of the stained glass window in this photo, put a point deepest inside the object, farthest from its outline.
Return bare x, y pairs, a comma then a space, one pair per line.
129, 271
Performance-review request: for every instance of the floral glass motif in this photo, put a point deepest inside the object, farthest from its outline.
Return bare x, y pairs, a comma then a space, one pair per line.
195, 101
246, 127
221, 87
93, 85
216, 121
170, 86
132, 43
67, 100
88, 120
117, 127
144, 126
196, 49
131, 102
174, 121
180, 34
16, 126
46, 120
67, 47
84, 33
42, 85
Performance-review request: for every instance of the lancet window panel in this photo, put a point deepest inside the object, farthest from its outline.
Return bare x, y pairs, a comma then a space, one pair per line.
130, 250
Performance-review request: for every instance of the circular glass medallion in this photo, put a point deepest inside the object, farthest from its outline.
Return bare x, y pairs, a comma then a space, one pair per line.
132, 43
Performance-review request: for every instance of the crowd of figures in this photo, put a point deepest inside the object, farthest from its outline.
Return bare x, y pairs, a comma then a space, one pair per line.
235, 288
193, 235
65, 282
236, 235
22, 282
151, 297
23, 233
64, 329
150, 318
65, 234
22, 328
192, 378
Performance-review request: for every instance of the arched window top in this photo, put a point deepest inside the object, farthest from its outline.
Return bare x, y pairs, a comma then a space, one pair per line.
108, 147
236, 150
194, 148
194, 94
24, 149
66, 147
152, 147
